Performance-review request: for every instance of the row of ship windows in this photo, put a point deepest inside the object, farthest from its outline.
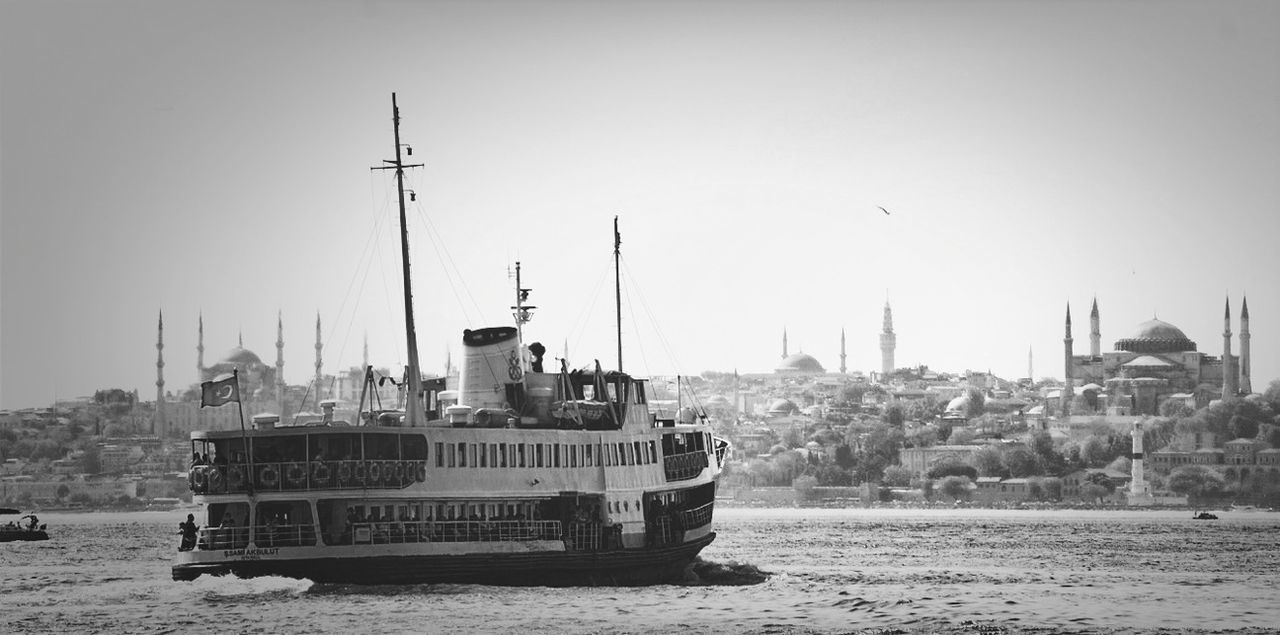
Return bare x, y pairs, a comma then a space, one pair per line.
500, 455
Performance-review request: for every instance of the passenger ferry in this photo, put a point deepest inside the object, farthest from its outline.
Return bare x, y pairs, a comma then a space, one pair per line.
520, 476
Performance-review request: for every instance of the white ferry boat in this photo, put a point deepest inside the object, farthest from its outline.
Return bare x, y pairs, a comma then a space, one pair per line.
519, 477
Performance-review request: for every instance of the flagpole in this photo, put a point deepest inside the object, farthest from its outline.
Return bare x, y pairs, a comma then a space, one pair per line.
244, 436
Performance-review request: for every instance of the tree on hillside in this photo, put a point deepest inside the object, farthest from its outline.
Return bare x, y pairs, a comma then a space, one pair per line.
1021, 461
989, 461
897, 476
1196, 482
957, 487
976, 404
894, 415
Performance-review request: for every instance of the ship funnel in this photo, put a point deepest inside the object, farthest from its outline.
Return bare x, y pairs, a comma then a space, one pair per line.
490, 363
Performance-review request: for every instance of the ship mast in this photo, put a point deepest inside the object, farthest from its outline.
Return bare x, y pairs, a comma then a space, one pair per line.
413, 404
617, 285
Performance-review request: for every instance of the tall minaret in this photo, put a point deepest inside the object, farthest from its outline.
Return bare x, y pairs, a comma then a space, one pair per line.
1030, 369
280, 363
319, 377
158, 426
887, 342
843, 368
1228, 369
1069, 389
1246, 383
200, 350
784, 342
1095, 331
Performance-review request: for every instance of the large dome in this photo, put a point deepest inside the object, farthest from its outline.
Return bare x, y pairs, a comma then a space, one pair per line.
241, 357
800, 363
1155, 336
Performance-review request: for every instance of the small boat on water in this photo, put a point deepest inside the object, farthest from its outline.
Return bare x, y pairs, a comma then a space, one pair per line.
1205, 516
18, 531
519, 476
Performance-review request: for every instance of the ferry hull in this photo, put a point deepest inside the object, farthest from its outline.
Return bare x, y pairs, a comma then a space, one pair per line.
608, 568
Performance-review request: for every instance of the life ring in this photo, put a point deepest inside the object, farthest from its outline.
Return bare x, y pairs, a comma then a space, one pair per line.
295, 475
235, 478
215, 481
269, 477
375, 472
399, 472
199, 479
320, 473
360, 470
344, 472
422, 472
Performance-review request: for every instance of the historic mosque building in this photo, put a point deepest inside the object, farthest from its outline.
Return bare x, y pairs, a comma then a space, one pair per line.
804, 364
1155, 362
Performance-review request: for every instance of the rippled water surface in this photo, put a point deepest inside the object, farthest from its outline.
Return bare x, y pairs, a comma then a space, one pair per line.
834, 571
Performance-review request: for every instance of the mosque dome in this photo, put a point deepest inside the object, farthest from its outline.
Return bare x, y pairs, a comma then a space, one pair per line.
718, 401
239, 356
959, 404
782, 407
799, 363
1156, 336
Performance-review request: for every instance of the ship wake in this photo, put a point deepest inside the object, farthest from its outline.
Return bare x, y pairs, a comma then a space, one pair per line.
708, 573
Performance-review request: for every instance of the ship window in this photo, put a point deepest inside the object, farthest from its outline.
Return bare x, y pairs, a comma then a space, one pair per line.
588, 459
382, 447
471, 451
653, 450
484, 455
640, 397
462, 455
573, 456
520, 452
639, 460
631, 455
555, 453
453, 456
439, 454
538, 454
626, 505
414, 447
622, 454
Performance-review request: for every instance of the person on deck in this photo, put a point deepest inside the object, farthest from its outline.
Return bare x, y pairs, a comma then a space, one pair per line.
189, 531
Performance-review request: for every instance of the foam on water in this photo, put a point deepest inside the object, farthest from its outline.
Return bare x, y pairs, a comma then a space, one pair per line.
828, 571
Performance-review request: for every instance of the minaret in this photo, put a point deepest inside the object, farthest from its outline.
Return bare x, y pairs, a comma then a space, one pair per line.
887, 342
200, 350
158, 426
280, 364
1069, 389
319, 377
843, 368
364, 358
1246, 383
1095, 331
1228, 369
1030, 372
784, 342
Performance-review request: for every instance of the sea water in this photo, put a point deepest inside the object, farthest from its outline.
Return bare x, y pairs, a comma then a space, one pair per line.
832, 571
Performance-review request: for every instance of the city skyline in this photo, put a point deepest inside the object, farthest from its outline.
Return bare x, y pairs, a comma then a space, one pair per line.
772, 165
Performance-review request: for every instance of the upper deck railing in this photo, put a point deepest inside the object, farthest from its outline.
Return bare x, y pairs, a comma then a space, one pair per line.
236, 478
682, 467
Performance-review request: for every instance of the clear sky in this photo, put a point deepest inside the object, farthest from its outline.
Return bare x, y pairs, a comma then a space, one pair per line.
214, 157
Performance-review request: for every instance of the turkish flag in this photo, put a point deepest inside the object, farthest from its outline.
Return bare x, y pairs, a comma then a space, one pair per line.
220, 391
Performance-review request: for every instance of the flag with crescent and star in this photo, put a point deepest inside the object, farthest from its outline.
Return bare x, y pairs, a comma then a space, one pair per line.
220, 391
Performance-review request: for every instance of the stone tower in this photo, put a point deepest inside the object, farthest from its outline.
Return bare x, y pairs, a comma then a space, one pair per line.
1095, 331
1069, 387
887, 342
158, 425
843, 368
1246, 383
784, 342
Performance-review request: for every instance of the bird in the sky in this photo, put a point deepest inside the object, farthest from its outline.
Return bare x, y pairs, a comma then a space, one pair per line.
886, 212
